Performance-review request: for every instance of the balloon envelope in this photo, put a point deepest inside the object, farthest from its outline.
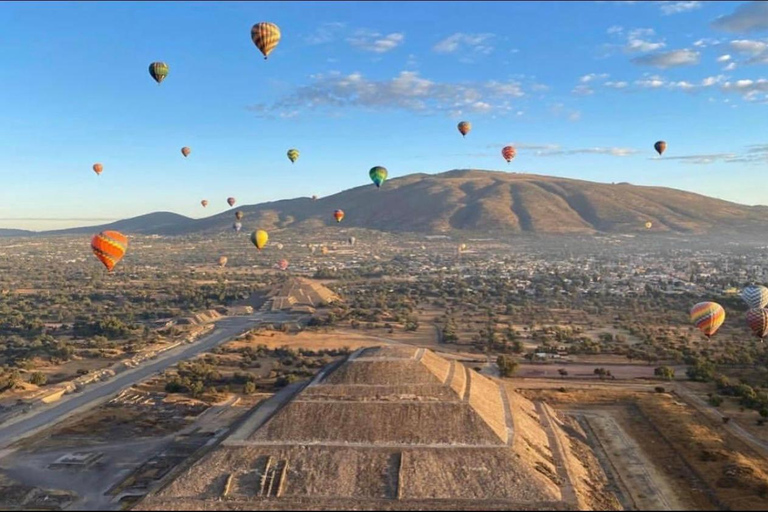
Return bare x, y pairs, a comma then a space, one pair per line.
259, 238
378, 174
283, 264
223, 261
204, 202
231, 201
185, 151
756, 296
238, 215
707, 317
158, 71
237, 226
338, 215
265, 36
757, 320
464, 127
660, 147
109, 247
648, 225
508, 153
98, 168
293, 155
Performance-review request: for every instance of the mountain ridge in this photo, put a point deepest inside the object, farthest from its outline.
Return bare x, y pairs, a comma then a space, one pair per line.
477, 201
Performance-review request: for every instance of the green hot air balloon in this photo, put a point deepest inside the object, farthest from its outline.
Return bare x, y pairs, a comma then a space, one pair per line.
378, 174
158, 70
293, 155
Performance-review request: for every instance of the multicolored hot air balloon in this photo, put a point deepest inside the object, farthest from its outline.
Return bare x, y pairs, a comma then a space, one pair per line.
708, 317
185, 151
98, 168
660, 147
757, 320
265, 36
204, 202
756, 296
464, 128
231, 201
293, 155
158, 71
648, 225
259, 238
338, 215
283, 264
109, 247
238, 215
508, 153
237, 226
378, 174
223, 261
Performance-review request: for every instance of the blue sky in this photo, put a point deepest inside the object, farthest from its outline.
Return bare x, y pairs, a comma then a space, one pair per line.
582, 89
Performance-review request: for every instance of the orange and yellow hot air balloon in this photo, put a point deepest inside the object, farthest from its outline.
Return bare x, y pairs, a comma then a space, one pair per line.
464, 128
265, 36
98, 168
338, 215
185, 151
109, 247
708, 317
508, 153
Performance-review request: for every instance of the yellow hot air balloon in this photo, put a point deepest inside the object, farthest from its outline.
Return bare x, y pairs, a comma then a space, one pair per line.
648, 225
259, 238
293, 155
265, 36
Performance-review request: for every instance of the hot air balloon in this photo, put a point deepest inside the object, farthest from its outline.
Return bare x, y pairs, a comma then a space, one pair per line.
660, 147
464, 128
259, 238
756, 296
293, 155
462, 247
708, 317
237, 226
109, 247
508, 153
352, 241
265, 36
324, 250
283, 264
223, 261
648, 225
231, 201
378, 174
158, 70
238, 215
204, 202
185, 151
279, 246
98, 168
338, 215
757, 320
314, 198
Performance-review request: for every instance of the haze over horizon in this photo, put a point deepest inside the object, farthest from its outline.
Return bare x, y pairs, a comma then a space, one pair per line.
582, 90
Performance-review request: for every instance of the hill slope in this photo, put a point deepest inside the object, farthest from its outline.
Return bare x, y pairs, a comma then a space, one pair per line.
482, 201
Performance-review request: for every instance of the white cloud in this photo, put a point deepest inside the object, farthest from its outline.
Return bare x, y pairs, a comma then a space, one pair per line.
712, 80
375, 42
704, 159
480, 43
615, 29
748, 17
671, 59
724, 58
406, 91
678, 7
750, 90
592, 76
730, 67
583, 90
325, 33
637, 41
617, 85
748, 46
611, 151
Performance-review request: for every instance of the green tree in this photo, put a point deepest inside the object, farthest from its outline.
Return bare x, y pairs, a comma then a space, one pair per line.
38, 378
664, 372
507, 365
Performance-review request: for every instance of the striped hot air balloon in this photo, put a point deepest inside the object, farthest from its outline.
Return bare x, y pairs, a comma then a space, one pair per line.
660, 147
756, 296
464, 128
158, 71
378, 174
265, 36
293, 155
708, 317
757, 320
98, 168
109, 247
338, 215
508, 153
